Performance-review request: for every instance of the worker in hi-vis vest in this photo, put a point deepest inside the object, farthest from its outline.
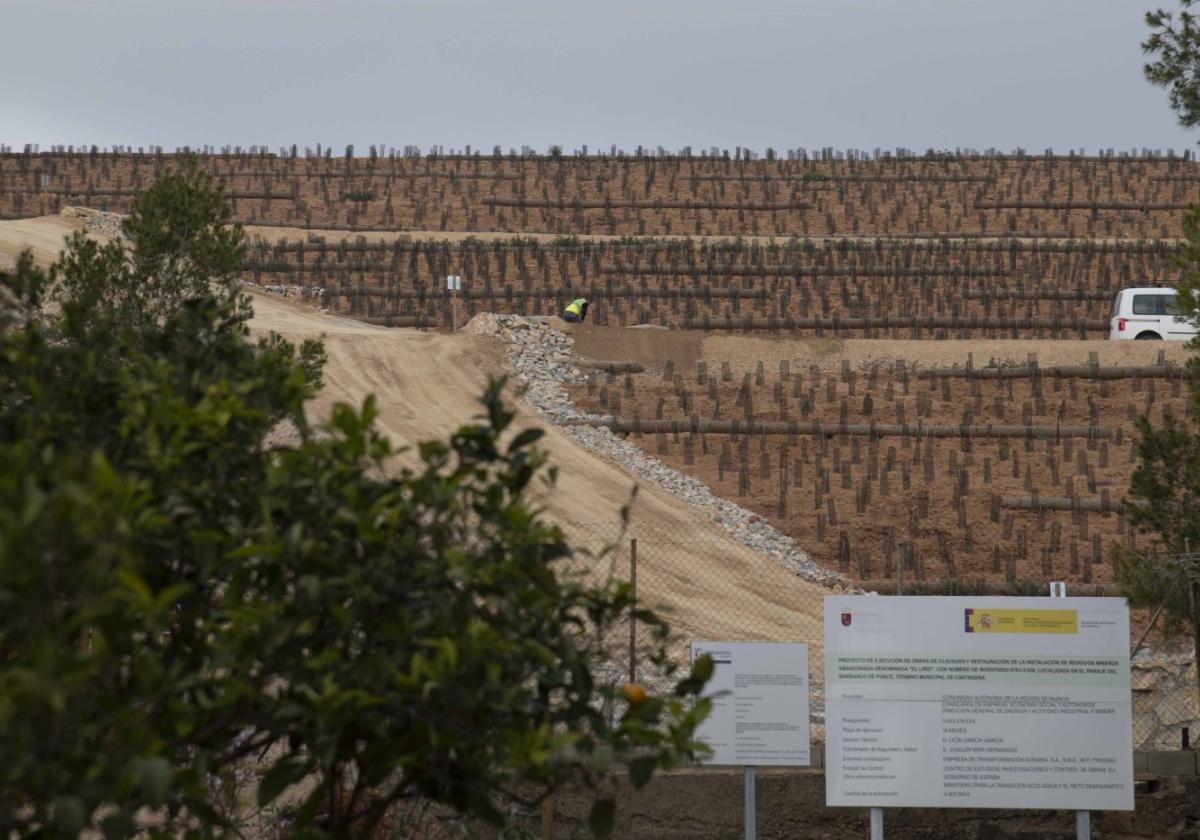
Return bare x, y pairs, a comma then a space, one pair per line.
576, 311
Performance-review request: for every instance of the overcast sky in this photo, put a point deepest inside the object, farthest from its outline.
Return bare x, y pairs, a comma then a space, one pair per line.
782, 73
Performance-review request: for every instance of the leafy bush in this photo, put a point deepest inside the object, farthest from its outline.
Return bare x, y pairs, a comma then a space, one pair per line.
179, 596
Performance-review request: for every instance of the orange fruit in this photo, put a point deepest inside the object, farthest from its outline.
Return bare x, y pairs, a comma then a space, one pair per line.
635, 695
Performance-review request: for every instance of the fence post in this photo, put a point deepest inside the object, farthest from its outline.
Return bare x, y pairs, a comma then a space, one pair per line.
633, 608
1196, 628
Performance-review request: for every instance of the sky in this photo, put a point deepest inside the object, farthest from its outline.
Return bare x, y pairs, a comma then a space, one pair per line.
917, 74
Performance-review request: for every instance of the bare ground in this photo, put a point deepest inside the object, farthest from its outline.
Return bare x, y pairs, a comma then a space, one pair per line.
428, 384
43, 235
654, 347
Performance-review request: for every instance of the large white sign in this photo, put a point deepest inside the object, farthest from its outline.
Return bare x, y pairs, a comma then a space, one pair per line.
978, 702
761, 717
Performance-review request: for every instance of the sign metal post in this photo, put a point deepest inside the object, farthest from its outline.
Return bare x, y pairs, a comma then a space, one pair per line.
1083, 819
751, 807
876, 824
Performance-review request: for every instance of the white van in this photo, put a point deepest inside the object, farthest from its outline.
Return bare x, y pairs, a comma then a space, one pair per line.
1148, 312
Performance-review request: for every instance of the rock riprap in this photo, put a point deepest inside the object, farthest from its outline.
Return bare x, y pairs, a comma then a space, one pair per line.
96, 221
540, 359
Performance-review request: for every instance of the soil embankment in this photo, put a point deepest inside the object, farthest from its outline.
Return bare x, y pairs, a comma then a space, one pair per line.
428, 384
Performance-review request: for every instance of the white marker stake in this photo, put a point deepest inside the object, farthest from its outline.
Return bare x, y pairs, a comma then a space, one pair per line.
454, 284
751, 807
1083, 819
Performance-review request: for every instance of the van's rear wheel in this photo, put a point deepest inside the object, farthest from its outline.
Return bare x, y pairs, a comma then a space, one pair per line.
1149, 336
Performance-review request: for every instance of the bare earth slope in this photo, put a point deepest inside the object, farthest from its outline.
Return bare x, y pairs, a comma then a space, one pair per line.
43, 235
428, 384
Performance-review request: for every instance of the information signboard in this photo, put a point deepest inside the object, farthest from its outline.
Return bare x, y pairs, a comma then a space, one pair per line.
978, 702
760, 718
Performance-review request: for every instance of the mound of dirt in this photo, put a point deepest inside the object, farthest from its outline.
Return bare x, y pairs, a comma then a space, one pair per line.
484, 323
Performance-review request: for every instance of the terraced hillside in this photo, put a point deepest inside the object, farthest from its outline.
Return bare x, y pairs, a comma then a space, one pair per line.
873, 288
842, 194
874, 246
979, 463
948, 466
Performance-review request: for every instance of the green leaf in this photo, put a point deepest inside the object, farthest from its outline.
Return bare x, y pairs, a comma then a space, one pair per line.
117, 826
641, 769
283, 774
154, 779
702, 668
137, 586
603, 818
170, 596
524, 439
70, 814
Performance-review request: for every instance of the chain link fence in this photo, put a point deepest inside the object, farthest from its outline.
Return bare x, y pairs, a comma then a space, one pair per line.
707, 586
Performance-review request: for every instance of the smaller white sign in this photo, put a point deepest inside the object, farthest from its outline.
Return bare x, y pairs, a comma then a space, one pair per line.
454, 282
761, 717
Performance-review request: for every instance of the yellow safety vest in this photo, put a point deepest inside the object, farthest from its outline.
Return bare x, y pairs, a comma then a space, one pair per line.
576, 307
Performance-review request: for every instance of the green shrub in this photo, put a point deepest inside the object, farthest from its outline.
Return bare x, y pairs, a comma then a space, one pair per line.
180, 596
